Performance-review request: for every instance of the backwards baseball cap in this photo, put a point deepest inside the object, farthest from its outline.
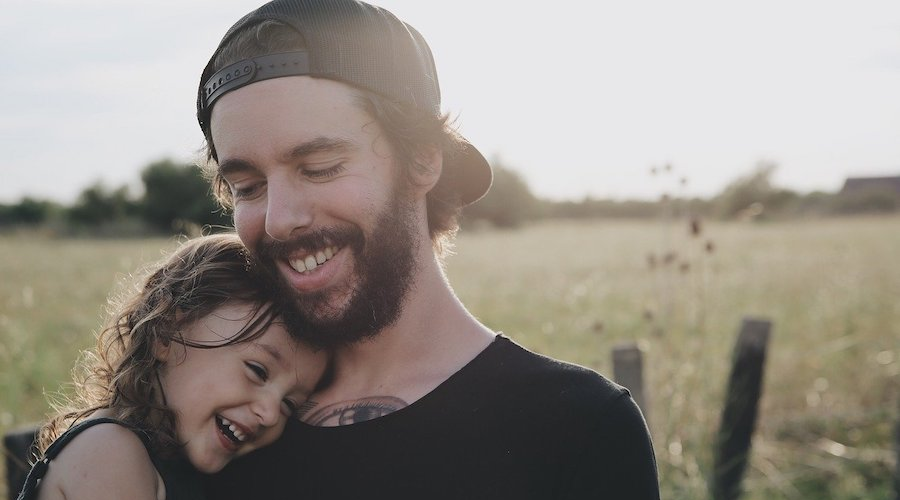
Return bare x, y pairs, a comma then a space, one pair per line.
355, 43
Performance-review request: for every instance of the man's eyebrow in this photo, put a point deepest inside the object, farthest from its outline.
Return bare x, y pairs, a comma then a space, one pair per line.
235, 165
320, 145
317, 145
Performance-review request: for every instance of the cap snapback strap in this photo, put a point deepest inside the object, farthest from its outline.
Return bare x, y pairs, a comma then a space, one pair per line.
252, 70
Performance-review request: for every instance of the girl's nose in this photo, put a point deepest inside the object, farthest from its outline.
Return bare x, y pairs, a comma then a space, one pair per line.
267, 409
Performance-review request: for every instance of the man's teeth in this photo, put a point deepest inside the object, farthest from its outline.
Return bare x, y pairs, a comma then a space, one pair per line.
234, 430
311, 262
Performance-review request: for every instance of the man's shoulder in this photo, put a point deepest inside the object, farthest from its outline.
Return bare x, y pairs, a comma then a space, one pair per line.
520, 371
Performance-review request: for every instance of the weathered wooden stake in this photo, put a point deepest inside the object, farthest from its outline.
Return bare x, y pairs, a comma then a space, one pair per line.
17, 448
897, 454
732, 445
628, 370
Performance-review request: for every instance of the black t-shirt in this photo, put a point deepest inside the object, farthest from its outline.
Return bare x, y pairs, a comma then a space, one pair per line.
510, 424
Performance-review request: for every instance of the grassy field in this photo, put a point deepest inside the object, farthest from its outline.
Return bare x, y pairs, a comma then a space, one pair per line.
574, 291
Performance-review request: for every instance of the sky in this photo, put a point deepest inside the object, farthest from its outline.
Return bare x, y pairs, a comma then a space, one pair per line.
580, 98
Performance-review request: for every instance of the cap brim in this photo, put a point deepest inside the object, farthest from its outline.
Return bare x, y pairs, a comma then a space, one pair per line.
471, 173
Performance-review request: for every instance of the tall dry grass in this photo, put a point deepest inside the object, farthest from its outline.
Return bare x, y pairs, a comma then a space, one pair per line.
52, 299
831, 288
575, 290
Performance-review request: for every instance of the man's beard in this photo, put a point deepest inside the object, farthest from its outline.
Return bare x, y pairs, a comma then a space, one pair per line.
384, 267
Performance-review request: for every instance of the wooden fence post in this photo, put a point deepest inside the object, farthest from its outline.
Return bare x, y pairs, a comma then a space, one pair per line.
17, 446
628, 371
732, 443
897, 454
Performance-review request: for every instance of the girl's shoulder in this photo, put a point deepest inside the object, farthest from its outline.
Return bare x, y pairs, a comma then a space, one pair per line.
106, 460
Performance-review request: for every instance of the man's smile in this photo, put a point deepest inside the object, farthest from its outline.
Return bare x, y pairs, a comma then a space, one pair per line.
309, 262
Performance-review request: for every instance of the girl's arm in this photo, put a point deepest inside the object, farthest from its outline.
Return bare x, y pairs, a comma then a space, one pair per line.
106, 461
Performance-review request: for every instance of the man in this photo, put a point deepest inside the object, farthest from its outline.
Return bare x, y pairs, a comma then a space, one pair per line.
324, 130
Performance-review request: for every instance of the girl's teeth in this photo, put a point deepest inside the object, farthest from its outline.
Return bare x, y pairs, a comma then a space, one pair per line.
234, 430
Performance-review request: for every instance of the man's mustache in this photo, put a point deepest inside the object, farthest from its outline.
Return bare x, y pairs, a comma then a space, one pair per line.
270, 250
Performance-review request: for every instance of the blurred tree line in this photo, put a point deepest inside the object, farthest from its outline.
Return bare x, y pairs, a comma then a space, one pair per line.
755, 197
176, 199
510, 202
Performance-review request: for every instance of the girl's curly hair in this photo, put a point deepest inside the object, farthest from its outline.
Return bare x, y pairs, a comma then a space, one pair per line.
120, 374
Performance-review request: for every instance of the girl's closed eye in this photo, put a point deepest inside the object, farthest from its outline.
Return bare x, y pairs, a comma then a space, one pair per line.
259, 372
289, 407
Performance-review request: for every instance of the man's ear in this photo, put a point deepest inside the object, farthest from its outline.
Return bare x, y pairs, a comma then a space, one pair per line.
426, 169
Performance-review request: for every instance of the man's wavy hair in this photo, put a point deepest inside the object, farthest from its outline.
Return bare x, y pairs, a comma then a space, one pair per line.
409, 131
120, 374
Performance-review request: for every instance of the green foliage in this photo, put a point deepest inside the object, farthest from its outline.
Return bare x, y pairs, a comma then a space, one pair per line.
98, 205
29, 211
754, 195
592, 208
509, 202
176, 200
178, 197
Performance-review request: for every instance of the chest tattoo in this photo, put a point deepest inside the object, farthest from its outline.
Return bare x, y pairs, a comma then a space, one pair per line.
354, 411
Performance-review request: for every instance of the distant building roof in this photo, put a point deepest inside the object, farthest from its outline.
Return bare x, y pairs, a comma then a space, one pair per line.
857, 184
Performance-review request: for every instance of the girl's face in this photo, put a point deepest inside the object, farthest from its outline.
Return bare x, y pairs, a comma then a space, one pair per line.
233, 399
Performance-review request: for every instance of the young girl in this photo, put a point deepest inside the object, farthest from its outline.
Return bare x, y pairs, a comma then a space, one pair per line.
195, 369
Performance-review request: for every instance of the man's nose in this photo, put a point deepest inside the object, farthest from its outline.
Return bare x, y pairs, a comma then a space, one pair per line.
289, 209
